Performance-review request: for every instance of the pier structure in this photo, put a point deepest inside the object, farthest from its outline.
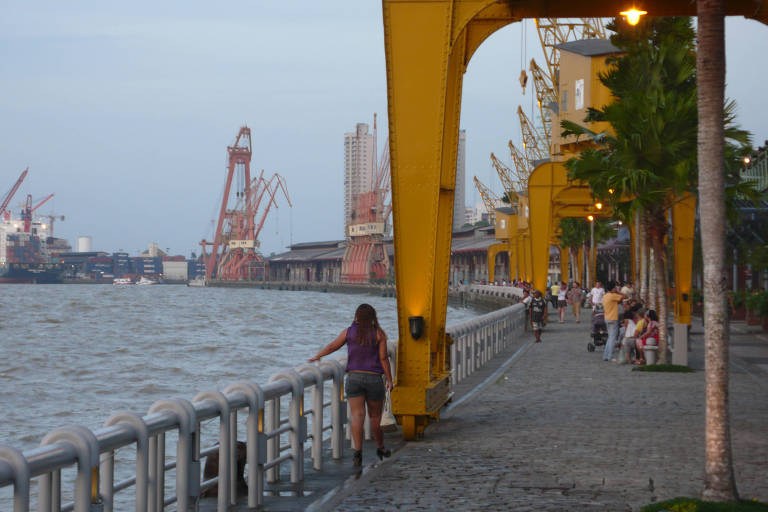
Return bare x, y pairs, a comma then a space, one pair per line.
428, 46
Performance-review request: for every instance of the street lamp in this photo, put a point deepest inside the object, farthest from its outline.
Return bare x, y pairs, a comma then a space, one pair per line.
633, 15
592, 258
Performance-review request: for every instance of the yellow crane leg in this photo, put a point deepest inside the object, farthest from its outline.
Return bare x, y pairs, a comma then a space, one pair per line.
512, 256
633, 253
683, 221
493, 251
428, 46
540, 195
565, 258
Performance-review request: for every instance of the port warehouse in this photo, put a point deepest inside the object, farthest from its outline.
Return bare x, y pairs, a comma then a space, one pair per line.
321, 261
101, 265
303, 262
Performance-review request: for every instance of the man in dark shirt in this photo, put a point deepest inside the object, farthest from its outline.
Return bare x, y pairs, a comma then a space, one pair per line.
538, 314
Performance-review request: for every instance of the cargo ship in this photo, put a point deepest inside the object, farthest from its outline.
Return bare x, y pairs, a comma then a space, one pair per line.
26, 250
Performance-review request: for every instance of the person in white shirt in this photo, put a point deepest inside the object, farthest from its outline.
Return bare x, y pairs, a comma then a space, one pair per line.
628, 341
596, 294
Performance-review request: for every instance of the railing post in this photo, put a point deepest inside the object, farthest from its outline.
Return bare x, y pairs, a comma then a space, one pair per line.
187, 466
297, 422
86, 447
18, 464
256, 442
273, 444
138, 428
225, 459
338, 408
317, 415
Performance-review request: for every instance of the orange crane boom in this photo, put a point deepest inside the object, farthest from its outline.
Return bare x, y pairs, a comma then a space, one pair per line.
13, 191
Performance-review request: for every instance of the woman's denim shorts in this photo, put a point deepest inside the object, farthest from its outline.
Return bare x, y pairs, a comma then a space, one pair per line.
368, 385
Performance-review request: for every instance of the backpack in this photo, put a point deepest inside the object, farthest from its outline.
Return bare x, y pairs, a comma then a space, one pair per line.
537, 309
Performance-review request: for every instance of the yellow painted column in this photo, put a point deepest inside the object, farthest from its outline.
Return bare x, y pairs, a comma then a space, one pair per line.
580, 259
565, 258
683, 219
540, 195
493, 251
633, 252
426, 52
512, 255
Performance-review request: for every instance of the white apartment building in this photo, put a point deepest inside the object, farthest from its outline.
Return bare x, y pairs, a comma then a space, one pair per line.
459, 198
359, 165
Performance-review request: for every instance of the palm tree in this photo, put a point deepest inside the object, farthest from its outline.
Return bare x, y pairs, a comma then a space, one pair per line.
719, 480
575, 233
650, 158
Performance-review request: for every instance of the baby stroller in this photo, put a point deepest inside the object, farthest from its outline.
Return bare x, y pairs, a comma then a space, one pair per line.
599, 330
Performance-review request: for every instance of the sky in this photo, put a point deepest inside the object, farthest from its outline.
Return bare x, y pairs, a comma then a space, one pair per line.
125, 111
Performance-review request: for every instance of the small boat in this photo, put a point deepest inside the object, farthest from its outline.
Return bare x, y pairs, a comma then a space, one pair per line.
120, 281
145, 280
196, 282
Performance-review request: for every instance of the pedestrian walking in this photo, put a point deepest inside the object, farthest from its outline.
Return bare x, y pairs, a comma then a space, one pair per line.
538, 314
562, 302
611, 302
575, 296
367, 362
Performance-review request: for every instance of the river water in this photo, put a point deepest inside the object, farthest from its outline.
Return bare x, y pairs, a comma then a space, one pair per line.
76, 354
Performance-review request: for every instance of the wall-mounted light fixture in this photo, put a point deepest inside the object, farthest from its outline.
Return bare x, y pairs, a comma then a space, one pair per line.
416, 326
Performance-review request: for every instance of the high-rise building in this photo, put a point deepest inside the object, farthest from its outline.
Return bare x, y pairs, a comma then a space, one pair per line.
359, 165
459, 198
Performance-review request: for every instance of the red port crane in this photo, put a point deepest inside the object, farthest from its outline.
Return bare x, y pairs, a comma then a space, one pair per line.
365, 257
26, 213
234, 251
11, 193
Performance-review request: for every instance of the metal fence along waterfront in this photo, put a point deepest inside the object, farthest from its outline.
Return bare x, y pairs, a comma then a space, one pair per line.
267, 424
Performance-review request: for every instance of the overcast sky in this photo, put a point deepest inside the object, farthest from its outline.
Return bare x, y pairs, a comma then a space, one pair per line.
125, 111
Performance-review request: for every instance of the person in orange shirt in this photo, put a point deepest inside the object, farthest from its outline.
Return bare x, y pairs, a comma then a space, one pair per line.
611, 302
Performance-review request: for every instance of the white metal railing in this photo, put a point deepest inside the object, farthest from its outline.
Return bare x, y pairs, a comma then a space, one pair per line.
475, 342
508, 292
93, 452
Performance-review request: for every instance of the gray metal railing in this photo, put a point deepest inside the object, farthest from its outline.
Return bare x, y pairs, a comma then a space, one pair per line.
93, 453
477, 341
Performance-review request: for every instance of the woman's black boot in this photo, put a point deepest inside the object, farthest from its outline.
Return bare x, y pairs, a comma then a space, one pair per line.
383, 452
357, 459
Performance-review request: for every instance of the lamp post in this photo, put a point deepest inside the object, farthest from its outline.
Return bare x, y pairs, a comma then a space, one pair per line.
590, 265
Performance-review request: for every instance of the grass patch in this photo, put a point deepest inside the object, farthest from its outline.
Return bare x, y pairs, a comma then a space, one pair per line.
671, 368
694, 505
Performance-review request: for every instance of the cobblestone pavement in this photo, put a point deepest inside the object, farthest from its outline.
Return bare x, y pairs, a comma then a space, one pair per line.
563, 430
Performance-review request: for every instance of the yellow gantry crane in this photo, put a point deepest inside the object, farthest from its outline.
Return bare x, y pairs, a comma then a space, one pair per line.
490, 200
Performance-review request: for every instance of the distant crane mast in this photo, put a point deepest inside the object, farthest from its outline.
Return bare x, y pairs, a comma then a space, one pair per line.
490, 200
11, 193
234, 250
365, 256
537, 142
26, 213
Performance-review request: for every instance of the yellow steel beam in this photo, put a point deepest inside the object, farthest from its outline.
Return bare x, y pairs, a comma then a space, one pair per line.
683, 219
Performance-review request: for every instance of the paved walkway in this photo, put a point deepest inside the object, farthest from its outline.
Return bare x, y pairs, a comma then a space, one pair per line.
563, 430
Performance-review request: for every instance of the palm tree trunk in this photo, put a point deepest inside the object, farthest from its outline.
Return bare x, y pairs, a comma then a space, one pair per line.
652, 279
642, 239
660, 286
719, 480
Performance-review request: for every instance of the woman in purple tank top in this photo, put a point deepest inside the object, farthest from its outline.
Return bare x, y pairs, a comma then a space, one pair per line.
367, 362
